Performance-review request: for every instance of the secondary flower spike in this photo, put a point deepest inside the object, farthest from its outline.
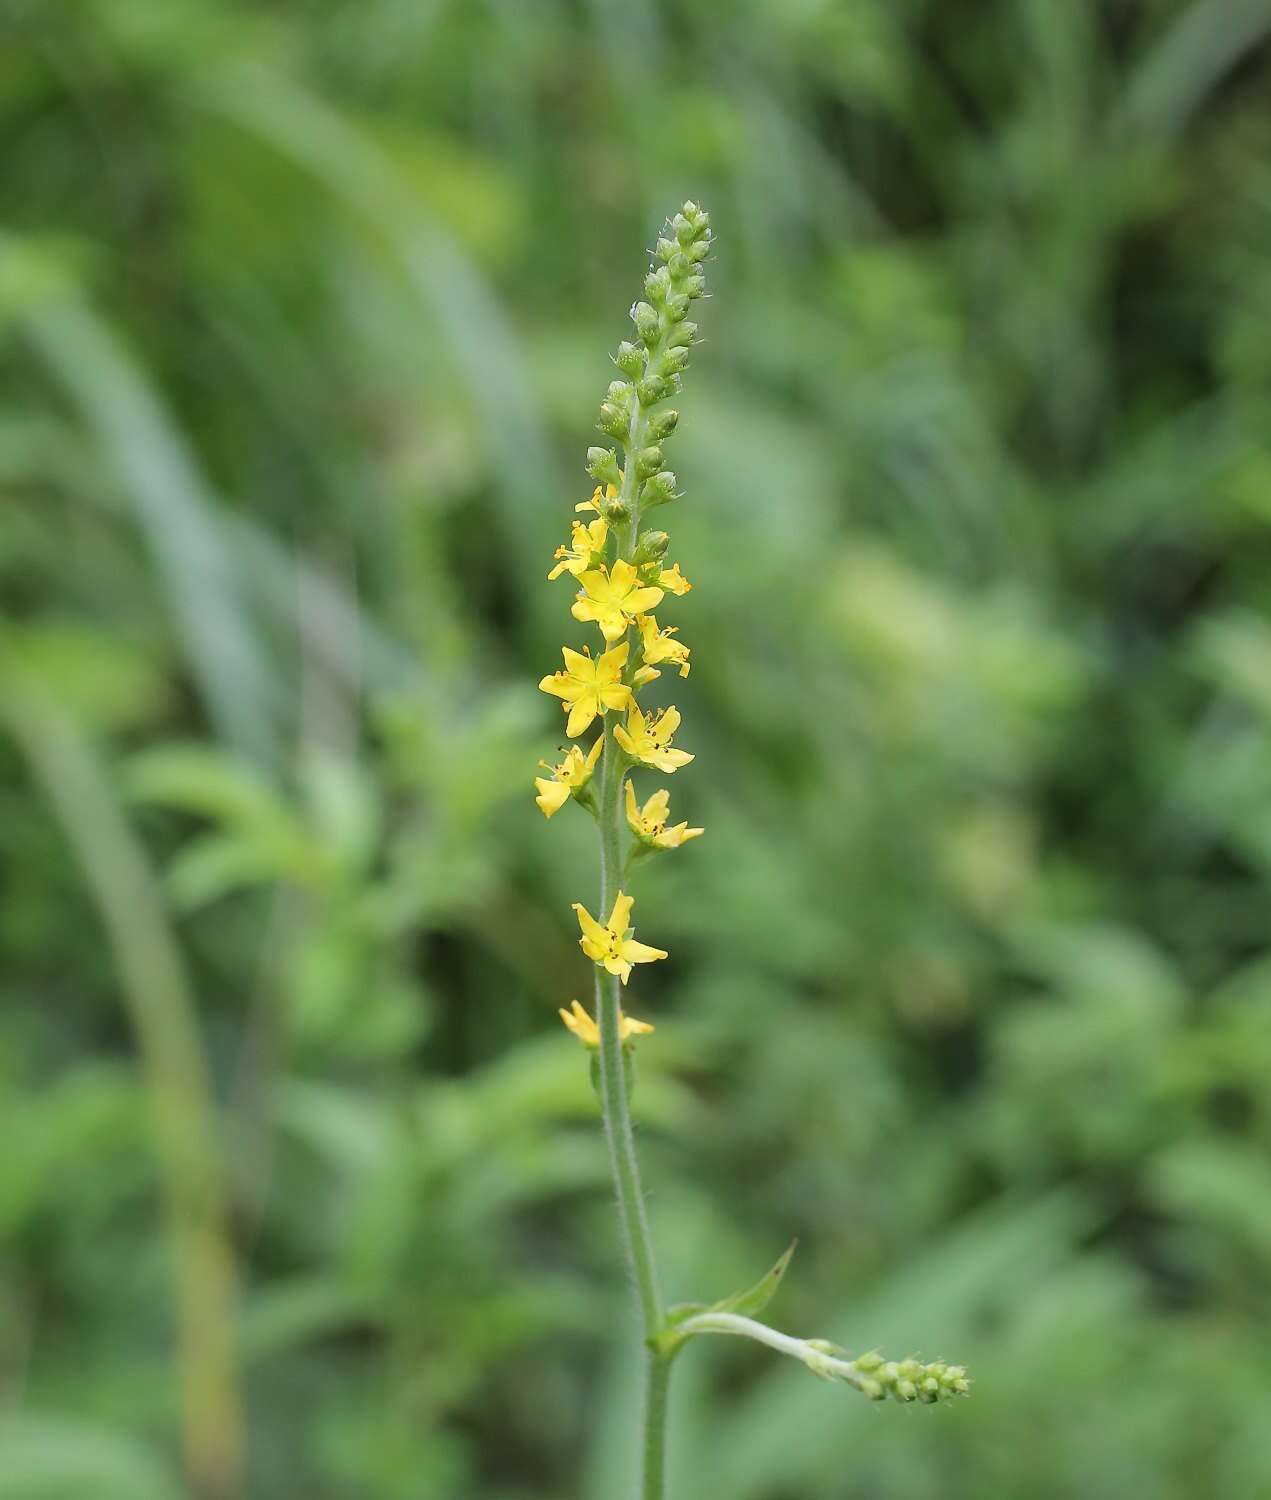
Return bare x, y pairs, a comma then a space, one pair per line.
567, 779
585, 1029
589, 685
649, 740
612, 945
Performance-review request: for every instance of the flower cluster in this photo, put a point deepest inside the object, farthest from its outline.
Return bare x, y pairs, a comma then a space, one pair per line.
621, 579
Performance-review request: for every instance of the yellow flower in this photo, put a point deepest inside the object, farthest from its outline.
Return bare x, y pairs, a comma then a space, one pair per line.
589, 685
649, 740
611, 493
613, 598
612, 945
573, 773
657, 645
673, 581
588, 1033
648, 823
584, 543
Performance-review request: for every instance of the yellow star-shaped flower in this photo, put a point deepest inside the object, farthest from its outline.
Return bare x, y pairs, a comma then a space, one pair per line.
586, 542
649, 740
673, 581
588, 1033
568, 778
658, 644
589, 685
613, 598
648, 823
612, 945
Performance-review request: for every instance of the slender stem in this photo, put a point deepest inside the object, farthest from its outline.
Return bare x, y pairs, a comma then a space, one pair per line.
615, 1102
657, 1378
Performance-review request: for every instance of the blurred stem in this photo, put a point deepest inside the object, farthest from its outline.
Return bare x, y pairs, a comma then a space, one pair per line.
614, 1098
162, 1013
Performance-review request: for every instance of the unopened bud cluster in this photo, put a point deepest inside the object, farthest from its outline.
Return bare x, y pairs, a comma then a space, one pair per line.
903, 1380
653, 362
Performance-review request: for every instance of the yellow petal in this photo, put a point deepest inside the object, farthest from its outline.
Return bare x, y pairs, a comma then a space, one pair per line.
640, 600
594, 754
620, 917
590, 927
633, 815
640, 953
580, 716
552, 796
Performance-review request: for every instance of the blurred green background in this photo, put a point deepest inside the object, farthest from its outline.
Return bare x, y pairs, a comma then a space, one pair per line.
304, 316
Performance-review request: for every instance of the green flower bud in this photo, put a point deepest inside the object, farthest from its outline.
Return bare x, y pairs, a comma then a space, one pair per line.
665, 249
619, 393
869, 1362
677, 306
613, 421
663, 423
685, 230
651, 547
648, 461
674, 361
658, 490
695, 286
602, 465
615, 510
630, 359
905, 1390
698, 250
653, 388
647, 323
657, 285
683, 336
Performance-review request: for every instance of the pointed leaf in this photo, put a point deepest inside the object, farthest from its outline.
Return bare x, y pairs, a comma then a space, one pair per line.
750, 1304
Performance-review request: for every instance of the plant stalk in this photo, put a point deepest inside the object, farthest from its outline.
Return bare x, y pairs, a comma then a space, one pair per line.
614, 1097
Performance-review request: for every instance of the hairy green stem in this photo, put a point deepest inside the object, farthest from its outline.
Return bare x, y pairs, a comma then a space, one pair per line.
615, 1101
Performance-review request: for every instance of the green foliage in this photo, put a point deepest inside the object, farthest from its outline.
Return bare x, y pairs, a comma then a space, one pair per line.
299, 312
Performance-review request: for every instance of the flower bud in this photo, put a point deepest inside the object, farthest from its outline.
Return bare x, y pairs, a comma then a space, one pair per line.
602, 465
673, 361
663, 423
651, 547
630, 359
657, 285
652, 389
658, 490
648, 461
613, 421
648, 325
665, 249
683, 336
619, 393
699, 249
615, 510
695, 286
677, 306
685, 230
905, 1390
